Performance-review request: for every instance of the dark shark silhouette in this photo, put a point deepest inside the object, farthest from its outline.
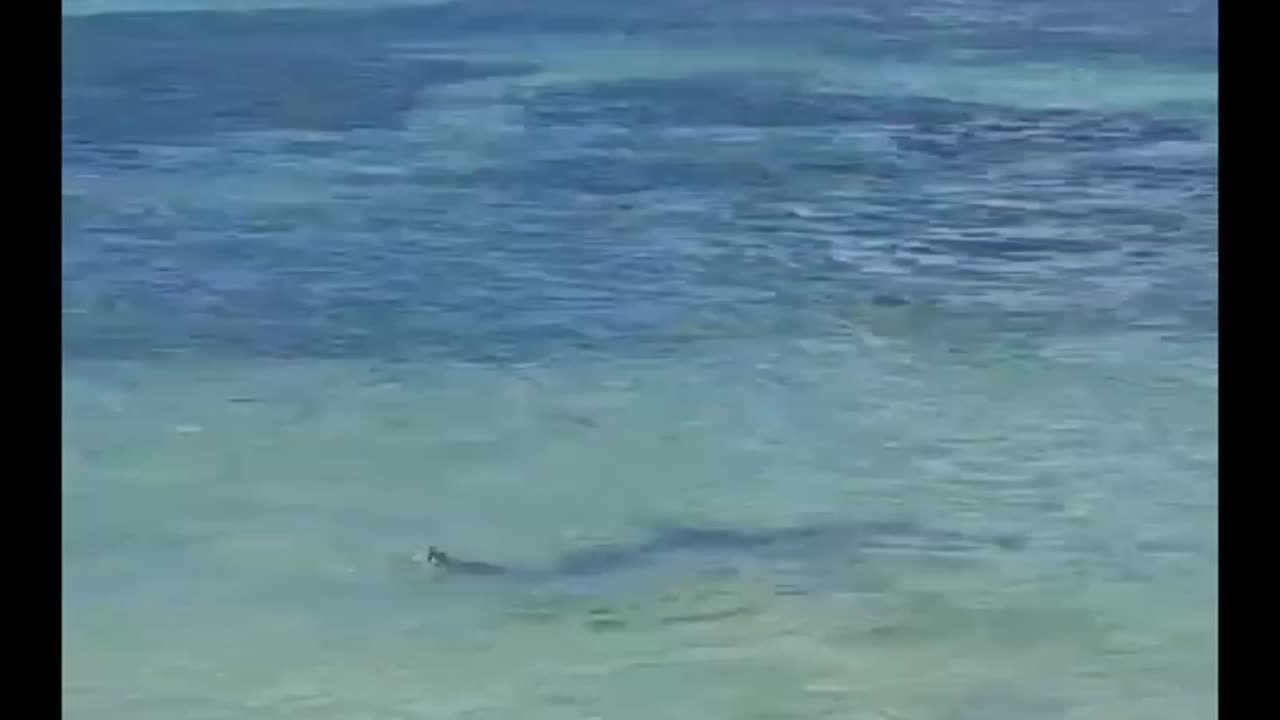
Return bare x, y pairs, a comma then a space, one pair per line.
796, 540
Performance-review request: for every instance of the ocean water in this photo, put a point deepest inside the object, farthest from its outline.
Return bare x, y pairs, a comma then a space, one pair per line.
797, 360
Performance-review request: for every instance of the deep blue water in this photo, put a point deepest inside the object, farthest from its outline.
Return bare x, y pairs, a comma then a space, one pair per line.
555, 237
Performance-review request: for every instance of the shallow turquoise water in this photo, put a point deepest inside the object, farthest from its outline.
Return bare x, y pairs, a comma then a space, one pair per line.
934, 283
250, 558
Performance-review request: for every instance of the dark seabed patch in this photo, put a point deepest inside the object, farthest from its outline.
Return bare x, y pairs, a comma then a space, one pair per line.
165, 77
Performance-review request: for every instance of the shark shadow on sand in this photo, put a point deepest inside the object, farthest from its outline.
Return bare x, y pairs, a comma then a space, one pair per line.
824, 539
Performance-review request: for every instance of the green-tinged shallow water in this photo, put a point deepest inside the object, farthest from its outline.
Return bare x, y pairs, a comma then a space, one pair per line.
237, 536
